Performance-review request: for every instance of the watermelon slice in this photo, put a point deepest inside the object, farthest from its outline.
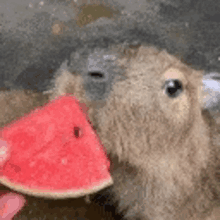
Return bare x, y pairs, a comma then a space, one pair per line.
54, 152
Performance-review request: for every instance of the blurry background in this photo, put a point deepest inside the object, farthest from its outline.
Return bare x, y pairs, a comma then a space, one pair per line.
37, 36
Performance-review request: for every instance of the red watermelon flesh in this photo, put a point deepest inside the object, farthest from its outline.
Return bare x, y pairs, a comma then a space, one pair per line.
54, 152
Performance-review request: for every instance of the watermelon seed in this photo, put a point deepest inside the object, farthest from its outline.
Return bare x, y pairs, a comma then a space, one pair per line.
77, 132
64, 161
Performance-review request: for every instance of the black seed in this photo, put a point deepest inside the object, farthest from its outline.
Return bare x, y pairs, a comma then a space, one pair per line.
77, 132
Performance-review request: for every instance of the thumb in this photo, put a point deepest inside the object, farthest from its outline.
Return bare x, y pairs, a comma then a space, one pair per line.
10, 205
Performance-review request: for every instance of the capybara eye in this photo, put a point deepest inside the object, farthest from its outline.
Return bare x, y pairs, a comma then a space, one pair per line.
173, 88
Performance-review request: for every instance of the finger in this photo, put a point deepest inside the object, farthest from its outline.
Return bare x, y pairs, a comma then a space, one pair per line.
10, 205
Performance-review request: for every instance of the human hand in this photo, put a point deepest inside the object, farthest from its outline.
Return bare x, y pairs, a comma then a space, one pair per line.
10, 203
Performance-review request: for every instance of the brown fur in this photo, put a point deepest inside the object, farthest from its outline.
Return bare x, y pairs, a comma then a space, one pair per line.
167, 156
164, 151
15, 104
166, 142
